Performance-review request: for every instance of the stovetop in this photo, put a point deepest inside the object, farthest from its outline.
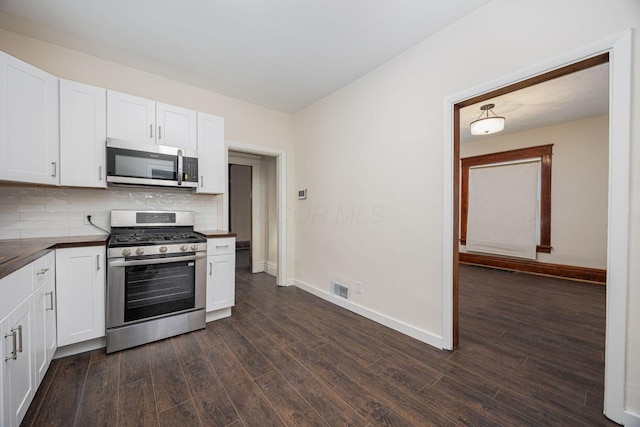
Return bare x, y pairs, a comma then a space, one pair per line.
136, 239
125, 236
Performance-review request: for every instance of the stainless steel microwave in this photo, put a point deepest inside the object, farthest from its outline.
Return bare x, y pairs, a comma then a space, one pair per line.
145, 164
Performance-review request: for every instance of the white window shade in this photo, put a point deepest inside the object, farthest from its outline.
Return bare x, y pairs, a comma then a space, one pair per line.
503, 209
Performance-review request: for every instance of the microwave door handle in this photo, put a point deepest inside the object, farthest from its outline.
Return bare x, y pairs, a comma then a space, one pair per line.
180, 170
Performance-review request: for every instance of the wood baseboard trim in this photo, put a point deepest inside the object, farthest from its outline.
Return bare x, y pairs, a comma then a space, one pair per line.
591, 275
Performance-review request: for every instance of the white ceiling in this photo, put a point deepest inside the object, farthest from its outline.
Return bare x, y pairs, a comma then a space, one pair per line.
575, 96
282, 54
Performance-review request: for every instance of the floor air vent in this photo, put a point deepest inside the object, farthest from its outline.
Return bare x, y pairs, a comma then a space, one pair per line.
339, 290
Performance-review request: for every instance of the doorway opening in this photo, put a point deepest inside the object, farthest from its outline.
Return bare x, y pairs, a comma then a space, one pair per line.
619, 49
240, 213
255, 207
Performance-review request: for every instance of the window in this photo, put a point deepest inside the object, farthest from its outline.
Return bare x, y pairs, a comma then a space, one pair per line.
544, 154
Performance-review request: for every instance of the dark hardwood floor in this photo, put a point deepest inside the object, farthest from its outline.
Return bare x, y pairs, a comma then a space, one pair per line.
531, 353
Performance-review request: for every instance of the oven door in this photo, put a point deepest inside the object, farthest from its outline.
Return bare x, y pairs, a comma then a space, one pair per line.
144, 289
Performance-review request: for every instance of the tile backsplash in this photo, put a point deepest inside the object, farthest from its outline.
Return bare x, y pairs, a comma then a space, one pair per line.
37, 211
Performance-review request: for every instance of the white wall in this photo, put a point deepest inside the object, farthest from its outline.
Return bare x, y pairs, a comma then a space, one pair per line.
244, 122
579, 185
375, 148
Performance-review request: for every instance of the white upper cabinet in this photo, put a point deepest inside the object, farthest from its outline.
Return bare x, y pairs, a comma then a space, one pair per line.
29, 137
212, 163
83, 132
130, 117
176, 127
141, 120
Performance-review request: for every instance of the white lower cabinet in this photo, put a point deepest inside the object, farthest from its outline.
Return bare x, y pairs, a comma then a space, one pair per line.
28, 336
44, 311
221, 273
18, 363
80, 285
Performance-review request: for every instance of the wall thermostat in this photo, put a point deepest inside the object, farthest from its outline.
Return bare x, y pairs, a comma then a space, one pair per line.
302, 193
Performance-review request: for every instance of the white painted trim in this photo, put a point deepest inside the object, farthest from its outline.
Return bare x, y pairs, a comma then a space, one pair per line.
630, 419
281, 197
420, 335
210, 316
258, 266
270, 268
81, 347
619, 47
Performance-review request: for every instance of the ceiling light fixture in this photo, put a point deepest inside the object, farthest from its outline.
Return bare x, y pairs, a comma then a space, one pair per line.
487, 125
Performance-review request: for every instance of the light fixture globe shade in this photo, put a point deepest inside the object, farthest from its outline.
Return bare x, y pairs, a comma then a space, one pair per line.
487, 125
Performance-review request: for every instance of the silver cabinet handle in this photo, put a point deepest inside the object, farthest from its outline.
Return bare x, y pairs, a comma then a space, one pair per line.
19, 338
210, 268
201, 180
222, 246
159, 132
98, 262
14, 352
50, 301
44, 270
99, 173
151, 130
55, 172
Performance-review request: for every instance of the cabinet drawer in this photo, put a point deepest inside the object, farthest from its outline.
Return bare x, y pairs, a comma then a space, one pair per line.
225, 245
14, 289
40, 269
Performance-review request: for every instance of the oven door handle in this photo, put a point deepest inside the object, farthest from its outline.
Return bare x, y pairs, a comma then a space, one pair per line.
122, 263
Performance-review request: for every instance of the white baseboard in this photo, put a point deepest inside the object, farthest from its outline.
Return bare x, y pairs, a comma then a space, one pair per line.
271, 269
630, 419
81, 347
420, 335
218, 314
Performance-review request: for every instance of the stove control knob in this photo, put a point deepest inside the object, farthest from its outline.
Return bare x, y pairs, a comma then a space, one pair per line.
194, 247
139, 251
183, 248
126, 252
163, 249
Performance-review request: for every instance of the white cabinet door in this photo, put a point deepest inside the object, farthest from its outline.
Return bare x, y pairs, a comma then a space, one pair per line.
131, 118
83, 132
176, 127
17, 363
80, 288
221, 273
29, 137
45, 342
212, 156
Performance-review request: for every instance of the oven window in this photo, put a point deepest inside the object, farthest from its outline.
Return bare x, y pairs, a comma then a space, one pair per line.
156, 289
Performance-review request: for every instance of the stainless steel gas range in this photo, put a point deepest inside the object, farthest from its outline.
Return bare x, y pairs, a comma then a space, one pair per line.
155, 277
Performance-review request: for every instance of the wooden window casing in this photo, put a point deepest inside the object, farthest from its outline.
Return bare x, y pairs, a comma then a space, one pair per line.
544, 153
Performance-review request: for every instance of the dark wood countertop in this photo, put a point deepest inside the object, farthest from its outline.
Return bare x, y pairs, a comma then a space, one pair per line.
16, 253
212, 234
